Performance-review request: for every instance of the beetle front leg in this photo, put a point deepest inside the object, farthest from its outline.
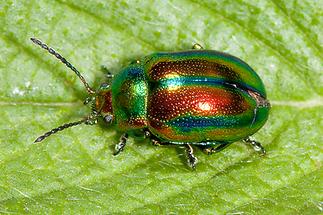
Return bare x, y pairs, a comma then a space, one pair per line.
122, 143
255, 145
191, 159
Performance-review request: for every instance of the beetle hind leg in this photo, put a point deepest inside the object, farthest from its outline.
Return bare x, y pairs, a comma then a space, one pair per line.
122, 143
255, 145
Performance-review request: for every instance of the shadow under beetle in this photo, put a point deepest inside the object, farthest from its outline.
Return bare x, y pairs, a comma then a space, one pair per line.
197, 97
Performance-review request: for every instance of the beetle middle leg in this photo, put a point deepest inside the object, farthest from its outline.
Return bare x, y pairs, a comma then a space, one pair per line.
154, 140
210, 149
122, 143
191, 159
255, 145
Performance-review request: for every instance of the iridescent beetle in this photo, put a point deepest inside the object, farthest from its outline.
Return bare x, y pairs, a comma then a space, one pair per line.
198, 97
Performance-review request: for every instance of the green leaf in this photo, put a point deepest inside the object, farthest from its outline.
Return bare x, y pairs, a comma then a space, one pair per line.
75, 172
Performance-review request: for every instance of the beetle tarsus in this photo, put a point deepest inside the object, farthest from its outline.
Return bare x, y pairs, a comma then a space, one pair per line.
191, 159
255, 145
122, 143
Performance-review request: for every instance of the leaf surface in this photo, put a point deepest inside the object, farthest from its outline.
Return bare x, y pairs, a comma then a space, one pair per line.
75, 172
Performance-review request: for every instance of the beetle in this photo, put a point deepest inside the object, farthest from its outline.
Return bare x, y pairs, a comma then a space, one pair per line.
198, 97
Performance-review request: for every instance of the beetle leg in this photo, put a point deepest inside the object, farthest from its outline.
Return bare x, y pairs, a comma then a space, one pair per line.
255, 145
154, 140
147, 133
191, 159
210, 149
122, 143
197, 46
106, 71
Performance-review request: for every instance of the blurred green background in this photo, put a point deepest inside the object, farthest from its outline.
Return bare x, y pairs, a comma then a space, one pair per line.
75, 172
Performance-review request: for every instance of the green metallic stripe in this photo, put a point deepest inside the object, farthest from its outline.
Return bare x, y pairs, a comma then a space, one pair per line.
220, 131
188, 123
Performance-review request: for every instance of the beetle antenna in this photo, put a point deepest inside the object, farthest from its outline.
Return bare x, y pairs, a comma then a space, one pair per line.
64, 61
89, 120
60, 128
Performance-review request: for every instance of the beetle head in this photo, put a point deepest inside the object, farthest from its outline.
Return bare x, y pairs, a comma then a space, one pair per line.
103, 102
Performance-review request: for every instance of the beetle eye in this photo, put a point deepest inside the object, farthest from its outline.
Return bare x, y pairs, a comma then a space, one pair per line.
108, 118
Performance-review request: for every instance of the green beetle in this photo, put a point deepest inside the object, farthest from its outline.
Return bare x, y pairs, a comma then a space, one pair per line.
198, 97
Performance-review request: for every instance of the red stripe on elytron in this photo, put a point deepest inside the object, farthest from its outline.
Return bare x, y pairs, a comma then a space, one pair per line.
193, 67
166, 104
